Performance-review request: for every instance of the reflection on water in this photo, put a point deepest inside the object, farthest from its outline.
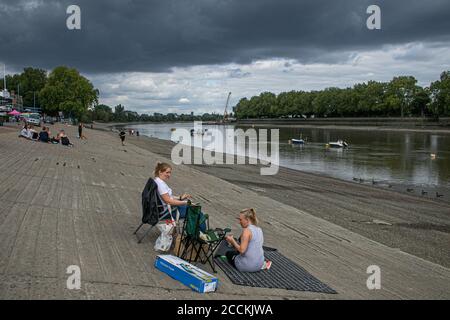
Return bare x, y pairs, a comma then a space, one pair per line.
386, 157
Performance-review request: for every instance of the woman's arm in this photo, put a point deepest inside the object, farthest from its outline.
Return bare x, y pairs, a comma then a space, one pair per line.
165, 197
246, 236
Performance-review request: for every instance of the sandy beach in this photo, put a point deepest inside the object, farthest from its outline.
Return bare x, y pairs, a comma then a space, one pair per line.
80, 206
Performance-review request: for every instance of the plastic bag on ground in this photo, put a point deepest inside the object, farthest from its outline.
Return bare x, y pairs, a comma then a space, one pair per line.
164, 241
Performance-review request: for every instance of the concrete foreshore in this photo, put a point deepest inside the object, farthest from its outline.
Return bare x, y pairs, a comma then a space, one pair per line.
80, 206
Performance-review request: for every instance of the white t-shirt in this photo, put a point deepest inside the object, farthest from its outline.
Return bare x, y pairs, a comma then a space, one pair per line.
25, 133
163, 188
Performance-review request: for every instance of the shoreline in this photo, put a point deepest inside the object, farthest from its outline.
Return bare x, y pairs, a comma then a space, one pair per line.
293, 125
356, 128
412, 223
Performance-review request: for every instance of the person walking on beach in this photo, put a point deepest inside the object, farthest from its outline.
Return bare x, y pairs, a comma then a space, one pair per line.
122, 135
80, 131
248, 255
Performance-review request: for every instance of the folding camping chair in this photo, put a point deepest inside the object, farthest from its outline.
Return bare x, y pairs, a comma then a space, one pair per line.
194, 243
153, 210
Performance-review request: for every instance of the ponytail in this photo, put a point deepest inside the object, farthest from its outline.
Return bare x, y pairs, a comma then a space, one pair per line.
250, 214
161, 167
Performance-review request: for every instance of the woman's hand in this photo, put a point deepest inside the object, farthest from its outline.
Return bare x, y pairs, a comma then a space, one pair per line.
229, 238
185, 196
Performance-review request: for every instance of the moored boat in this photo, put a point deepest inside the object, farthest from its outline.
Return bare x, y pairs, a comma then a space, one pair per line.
337, 144
297, 141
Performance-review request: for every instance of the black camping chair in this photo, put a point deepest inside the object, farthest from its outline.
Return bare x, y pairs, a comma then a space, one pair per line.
197, 244
153, 210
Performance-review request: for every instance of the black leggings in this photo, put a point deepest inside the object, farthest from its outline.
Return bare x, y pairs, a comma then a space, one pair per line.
231, 255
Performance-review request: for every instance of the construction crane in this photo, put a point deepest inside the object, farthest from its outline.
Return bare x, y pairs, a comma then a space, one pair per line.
225, 114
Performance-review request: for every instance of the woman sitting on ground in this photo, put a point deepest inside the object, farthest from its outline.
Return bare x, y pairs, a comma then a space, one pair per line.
33, 133
57, 139
163, 171
25, 132
248, 255
64, 139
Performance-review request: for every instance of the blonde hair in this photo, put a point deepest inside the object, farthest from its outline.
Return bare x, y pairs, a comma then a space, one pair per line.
250, 214
161, 167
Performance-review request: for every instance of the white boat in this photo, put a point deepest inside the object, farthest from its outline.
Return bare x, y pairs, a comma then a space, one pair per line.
338, 144
297, 141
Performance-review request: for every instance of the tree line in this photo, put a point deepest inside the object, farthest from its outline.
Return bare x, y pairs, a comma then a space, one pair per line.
399, 97
66, 90
104, 113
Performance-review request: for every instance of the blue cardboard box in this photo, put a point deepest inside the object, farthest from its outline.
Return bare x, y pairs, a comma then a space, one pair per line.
188, 274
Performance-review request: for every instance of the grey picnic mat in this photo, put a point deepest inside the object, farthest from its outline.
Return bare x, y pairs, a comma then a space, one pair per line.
283, 274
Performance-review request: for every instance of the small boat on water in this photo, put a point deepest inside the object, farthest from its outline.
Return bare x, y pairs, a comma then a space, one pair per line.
337, 144
199, 132
297, 141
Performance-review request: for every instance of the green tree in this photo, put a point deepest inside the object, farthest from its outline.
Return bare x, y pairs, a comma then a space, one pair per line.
32, 81
420, 102
119, 114
102, 113
267, 104
68, 91
440, 95
400, 94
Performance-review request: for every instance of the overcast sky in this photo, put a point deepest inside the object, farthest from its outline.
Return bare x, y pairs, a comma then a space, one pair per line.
186, 55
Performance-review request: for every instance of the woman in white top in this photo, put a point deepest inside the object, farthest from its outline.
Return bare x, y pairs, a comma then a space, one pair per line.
163, 171
25, 132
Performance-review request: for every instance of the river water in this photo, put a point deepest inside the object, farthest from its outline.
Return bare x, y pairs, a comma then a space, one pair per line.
416, 160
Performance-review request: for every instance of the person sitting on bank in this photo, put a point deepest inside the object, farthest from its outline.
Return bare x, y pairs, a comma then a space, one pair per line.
33, 133
163, 171
25, 132
57, 139
65, 139
44, 135
248, 255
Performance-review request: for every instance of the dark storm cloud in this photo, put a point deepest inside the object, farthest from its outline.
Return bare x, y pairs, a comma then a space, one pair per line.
146, 35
